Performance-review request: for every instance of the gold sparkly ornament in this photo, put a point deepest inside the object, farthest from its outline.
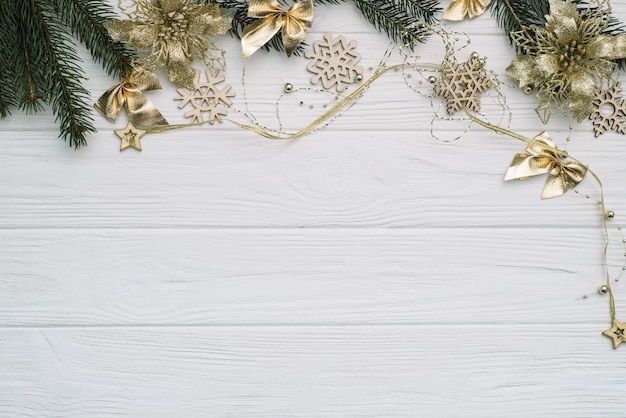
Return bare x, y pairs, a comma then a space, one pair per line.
544, 157
334, 61
568, 59
293, 23
172, 34
460, 84
131, 137
205, 97
129, 95
465, 9
617, 333
609, 111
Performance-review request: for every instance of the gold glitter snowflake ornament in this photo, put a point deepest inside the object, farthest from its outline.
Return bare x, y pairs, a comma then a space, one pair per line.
172, 34
206, 97
461, 83
568, 59
609, 111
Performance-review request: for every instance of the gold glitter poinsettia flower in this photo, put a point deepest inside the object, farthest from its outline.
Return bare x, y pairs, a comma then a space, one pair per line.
567, 60
171, 34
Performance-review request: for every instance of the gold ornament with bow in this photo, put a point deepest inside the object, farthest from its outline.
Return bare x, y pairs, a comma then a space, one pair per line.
544, 157
465, 9
293, 23
129, 94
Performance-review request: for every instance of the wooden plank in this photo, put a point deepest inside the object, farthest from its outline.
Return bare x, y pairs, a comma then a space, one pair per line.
447, 370
359, 180
230, 277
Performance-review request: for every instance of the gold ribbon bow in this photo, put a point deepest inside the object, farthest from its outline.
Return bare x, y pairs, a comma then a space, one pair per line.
129, 94
544, 157
465, 9
293, 22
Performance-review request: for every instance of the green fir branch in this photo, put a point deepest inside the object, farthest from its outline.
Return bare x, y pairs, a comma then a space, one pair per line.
427, 10
40, 65
398, 23
8, 40
67, 97
512, 15
30, 62
86, 19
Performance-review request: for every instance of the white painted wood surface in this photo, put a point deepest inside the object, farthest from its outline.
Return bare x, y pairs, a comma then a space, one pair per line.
368, 270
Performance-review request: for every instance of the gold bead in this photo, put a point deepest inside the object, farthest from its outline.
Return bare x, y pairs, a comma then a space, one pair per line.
432, 79
288, 88
603, 290
528, 88
475, 54
610, 214
359, 78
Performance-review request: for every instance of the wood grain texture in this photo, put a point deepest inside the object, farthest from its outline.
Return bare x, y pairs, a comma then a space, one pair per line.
367, 270
445, 371
230, 277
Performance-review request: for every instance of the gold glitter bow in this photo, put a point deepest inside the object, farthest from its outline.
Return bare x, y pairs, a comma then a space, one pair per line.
568, 59
293, 22
465, 9
129, 94
171, 34
544, 157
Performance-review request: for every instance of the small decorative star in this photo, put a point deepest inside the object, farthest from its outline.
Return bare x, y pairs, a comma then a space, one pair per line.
131, 137
617, 333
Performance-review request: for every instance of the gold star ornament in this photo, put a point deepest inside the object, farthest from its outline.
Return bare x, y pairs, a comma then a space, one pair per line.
617, 333
131, 137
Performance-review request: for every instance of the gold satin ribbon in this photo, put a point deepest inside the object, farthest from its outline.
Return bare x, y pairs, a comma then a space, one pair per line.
562, 174
550, 148
326, 115
129, 94
465, 9
293, 22
543, 157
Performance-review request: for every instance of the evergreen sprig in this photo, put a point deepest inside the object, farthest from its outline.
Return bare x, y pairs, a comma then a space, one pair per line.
42, 66
399, 22
511, 15
396, 18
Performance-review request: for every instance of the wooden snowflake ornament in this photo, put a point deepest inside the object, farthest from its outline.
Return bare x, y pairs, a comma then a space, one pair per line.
609, 111
206, 98
334, 62
461, 83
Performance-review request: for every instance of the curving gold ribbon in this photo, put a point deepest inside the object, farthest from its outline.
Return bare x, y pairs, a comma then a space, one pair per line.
465, 9
293, 22
129, 94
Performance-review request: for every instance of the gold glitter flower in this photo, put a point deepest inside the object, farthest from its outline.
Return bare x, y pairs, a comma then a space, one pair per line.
171, 34
567, 60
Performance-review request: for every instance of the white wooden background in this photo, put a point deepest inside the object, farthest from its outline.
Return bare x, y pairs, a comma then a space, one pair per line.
368, 270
